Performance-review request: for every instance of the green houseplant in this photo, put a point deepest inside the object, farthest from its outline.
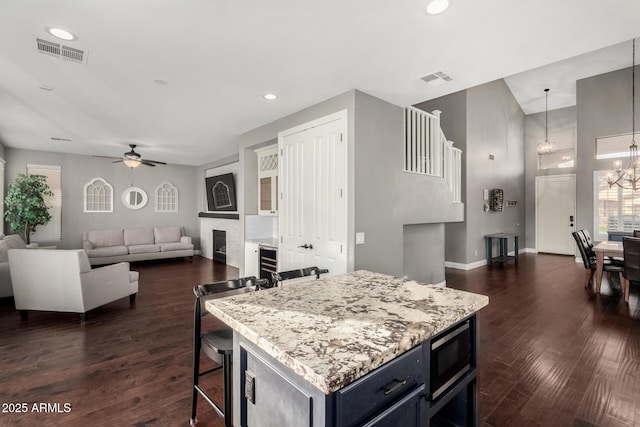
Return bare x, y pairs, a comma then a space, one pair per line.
25, 207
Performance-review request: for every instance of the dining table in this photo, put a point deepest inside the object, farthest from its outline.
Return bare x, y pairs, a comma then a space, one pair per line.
603, 249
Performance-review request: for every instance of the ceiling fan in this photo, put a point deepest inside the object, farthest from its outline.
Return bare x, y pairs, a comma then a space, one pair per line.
133, 159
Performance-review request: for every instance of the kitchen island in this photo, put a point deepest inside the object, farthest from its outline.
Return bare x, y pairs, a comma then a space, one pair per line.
348, 350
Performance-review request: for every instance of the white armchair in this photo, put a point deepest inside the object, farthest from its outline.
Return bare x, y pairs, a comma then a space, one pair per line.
63, 280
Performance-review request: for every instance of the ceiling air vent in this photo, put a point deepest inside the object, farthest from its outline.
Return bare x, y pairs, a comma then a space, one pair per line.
48, 47
58, 139
60, 51
436, 79
73, 54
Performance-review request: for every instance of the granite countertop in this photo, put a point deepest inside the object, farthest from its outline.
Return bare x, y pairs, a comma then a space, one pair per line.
334, 330
265, 241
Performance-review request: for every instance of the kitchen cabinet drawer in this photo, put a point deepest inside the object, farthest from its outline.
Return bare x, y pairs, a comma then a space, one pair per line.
379, 389
405, 412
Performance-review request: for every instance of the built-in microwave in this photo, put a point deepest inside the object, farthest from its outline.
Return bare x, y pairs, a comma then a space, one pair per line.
450, 357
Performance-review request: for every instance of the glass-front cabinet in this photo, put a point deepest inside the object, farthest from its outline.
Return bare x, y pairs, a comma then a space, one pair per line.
268, 180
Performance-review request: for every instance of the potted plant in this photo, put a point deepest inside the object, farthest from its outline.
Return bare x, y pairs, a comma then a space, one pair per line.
25, 207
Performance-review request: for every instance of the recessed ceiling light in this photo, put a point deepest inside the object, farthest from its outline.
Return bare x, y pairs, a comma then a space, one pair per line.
270, 96
45, 87
437, 6
161, 82
61, 34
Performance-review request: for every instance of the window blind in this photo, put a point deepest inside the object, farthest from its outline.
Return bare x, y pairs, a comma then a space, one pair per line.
51, 232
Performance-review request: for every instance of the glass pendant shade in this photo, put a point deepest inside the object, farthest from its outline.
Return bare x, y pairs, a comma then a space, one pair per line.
546, 147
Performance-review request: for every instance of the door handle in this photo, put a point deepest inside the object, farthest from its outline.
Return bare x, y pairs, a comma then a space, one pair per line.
305, 246
398, 384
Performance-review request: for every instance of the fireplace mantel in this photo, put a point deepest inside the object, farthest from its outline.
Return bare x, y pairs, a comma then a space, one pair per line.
219, 215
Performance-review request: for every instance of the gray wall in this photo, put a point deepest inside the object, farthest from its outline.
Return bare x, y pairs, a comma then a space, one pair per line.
391, 205
484, 120
603, 108
267, 134
382, 199
495, 125
453, 122
423, 252
562, 131
77, 170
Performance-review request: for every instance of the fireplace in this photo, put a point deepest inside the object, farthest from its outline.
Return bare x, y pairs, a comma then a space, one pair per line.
220, 246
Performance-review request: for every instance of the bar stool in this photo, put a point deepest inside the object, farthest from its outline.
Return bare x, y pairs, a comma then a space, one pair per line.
279, 277
217, 345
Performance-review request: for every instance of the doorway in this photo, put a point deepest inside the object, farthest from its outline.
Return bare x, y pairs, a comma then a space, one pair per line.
555, 214
312, 217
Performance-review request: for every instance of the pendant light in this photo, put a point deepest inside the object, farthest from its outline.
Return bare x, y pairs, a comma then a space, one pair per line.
546, 147
629, 176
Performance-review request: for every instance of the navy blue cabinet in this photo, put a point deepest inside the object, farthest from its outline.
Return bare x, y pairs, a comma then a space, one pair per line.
398, 393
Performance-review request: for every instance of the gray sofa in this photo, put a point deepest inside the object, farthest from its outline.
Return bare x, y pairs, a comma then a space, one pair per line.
136, 244
12, 241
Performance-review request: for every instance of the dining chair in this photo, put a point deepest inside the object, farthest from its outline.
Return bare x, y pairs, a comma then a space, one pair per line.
217, 345
281, 276
589, 240
588, 256
631, 270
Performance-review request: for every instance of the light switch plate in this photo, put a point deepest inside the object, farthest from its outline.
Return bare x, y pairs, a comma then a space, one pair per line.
360, 238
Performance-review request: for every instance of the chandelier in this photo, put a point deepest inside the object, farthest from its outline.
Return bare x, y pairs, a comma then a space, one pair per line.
629, 176
546, 147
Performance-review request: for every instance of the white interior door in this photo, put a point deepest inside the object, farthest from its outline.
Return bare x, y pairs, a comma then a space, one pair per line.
555, 214
313, 204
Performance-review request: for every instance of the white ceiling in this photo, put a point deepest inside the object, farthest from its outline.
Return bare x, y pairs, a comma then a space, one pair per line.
220, 57
560, 77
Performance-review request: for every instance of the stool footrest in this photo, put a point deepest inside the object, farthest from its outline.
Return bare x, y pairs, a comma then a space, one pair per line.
209, 400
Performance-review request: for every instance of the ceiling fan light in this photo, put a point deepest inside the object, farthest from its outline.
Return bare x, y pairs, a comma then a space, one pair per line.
132, 163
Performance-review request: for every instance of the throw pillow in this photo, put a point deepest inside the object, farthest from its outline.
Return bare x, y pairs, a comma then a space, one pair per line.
167, 234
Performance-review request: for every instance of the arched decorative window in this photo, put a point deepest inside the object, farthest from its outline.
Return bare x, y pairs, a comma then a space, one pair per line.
221, 196
166, 197
98, 196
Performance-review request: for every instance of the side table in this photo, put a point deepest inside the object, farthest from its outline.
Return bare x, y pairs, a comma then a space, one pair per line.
503, 240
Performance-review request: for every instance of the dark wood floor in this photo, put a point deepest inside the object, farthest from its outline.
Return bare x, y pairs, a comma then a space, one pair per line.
551, 353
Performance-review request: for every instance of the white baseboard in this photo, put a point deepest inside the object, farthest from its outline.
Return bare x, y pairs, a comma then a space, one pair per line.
482, 262
460, 266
